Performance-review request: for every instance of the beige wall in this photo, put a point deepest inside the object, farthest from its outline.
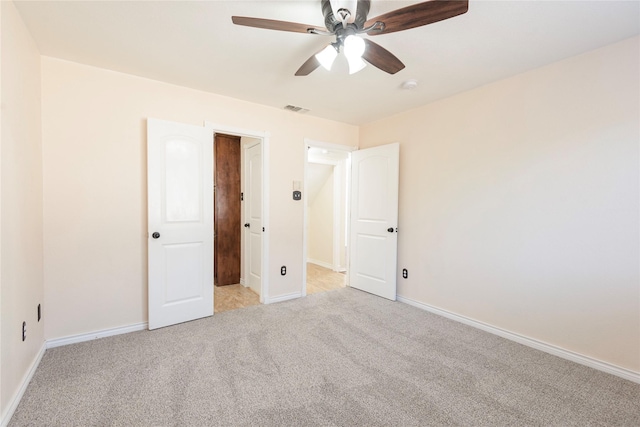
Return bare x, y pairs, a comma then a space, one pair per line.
519, 203
320, 228
21, 276
95, 226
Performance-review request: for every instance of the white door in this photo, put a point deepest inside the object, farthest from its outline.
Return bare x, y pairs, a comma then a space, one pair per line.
374, 220
180, 208
253, 216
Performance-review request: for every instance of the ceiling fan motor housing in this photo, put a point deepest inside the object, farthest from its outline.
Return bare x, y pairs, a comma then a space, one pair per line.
332, 23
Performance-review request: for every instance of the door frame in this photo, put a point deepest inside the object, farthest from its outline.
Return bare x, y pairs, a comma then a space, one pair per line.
264, 137
308, 143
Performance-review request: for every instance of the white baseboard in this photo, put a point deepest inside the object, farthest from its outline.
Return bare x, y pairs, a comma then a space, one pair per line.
96, 334
321, 263
529, 342
242, 282
18, 397
284, 298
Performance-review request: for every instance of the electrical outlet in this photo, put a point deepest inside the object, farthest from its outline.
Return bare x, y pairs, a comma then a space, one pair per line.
24, 331
405, 273
283, 270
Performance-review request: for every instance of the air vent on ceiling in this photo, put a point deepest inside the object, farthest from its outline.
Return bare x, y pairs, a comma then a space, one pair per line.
296, 109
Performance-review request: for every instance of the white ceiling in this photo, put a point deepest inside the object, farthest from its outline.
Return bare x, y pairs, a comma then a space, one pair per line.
194, 44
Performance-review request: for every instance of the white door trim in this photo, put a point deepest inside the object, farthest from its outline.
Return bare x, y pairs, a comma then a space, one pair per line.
264, 136
336, 209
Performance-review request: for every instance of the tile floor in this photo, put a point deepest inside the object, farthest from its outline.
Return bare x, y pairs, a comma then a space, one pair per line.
319, 279
230, 297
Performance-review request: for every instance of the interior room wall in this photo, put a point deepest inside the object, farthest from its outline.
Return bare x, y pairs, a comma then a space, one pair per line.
519, 203
95, 222
320, 227
21, 270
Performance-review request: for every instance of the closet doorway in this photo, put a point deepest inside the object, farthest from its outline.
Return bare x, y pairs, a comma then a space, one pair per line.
240, 237
227, 210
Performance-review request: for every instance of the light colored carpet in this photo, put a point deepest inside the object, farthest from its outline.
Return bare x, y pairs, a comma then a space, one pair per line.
340, 358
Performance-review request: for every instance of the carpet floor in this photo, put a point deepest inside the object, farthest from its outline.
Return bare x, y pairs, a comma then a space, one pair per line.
338, 358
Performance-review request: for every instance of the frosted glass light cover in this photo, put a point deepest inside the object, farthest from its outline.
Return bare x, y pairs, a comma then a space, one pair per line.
356, 65
327, 56
353, 47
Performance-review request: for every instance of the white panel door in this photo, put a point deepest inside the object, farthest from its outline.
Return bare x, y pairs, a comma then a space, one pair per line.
374, 220
253, 216
180, 208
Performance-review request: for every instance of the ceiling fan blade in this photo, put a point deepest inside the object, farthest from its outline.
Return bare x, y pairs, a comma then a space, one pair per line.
270, 24
418, 15
381, 58
310, 64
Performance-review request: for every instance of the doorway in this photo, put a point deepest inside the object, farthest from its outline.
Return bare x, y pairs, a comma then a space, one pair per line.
227, 210
250, 286
326, 216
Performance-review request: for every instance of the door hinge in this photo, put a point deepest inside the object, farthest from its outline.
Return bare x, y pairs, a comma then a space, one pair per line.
241, 197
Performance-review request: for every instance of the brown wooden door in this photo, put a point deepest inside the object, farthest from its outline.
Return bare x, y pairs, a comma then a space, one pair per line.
227, 218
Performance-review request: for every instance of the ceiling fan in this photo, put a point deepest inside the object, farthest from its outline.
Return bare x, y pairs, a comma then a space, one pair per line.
347, 19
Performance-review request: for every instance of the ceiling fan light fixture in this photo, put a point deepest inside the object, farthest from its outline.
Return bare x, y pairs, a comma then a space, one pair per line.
327, 56
353, 47
355, 65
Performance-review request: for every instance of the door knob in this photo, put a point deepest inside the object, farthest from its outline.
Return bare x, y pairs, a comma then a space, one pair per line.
247, 225
155, 235
390, 229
